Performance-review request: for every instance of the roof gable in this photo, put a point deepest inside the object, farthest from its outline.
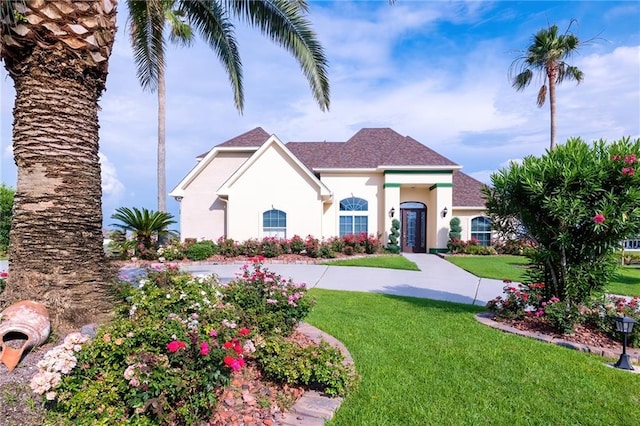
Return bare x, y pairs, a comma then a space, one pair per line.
251, 139
272, 140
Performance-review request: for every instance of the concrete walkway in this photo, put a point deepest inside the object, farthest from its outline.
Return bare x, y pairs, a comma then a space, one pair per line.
437, 279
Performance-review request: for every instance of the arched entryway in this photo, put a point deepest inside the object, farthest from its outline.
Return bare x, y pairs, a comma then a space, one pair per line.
413, 219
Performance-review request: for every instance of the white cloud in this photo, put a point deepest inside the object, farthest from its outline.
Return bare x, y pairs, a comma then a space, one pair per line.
112, 188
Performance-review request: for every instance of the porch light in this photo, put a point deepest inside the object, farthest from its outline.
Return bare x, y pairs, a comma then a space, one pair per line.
445, 211
392, 212
625, 326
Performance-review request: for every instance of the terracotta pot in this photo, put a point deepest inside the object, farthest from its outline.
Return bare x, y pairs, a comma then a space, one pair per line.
23, 326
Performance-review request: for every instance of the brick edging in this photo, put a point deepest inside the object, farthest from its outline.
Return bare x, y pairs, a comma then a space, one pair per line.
314, 408
487, 319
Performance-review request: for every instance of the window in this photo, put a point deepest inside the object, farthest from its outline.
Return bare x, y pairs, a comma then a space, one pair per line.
353, 216
274, 223
481, 230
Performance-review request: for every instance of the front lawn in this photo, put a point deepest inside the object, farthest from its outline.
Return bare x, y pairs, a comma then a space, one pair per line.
626, 282
496, 267
387, 261
425, 362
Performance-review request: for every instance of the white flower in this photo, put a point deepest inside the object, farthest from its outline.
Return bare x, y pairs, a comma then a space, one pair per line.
51, 395
132, 310
168, 296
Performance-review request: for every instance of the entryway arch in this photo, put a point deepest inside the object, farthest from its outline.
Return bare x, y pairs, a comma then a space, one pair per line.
413, 227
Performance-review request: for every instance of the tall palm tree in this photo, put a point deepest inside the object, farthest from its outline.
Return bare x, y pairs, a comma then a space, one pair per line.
283, 21
57, 54
546, 54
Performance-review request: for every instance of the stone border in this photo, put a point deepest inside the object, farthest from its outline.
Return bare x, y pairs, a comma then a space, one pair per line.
486, 318
313, 408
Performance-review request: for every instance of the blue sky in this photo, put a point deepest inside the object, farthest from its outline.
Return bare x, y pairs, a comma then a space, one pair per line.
433, 70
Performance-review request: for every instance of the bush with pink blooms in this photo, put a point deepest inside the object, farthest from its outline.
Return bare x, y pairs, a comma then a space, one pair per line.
576, 203
175, 341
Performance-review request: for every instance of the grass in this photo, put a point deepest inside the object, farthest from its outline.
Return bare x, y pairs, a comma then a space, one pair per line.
496, 267
425, 362
625, 282
385, 261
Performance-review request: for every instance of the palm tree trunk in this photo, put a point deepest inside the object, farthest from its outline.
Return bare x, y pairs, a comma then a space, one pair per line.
162, 116
56, 254
552, 74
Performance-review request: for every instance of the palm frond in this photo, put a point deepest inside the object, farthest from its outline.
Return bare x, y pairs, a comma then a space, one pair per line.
285, 23
146, 25
212, 22
542, 95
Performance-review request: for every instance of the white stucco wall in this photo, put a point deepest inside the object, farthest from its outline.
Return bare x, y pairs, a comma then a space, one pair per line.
273, 181
465, 216
201, 211
363, 185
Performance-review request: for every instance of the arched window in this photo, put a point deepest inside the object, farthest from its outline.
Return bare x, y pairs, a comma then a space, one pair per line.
353, 216
274, 223
481, 230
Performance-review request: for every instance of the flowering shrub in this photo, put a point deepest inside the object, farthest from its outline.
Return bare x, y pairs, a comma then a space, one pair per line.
577, 202
272, 247
312, 246
228, 247
297, 244
173, 250
520, 300
200, 250
3, 276
265, 299
250, 247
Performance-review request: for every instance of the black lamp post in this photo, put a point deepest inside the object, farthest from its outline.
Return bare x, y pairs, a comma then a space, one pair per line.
625, 326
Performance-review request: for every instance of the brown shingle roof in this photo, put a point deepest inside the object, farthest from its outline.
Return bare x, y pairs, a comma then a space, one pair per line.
368, 148
252, 138
467, 191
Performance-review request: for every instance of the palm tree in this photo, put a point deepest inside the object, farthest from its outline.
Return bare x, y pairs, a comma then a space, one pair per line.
547, 54
57, 54
144, 224
283, 21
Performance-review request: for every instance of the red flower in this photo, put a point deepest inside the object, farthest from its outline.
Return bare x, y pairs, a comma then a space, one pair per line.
234, 363
204, 348
4, 274
599, 218
175, 346
227, 345
244, 331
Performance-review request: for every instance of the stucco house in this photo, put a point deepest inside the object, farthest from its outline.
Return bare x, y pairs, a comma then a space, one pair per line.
254, 185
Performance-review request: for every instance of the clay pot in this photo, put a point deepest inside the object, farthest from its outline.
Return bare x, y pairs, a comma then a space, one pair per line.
23, 326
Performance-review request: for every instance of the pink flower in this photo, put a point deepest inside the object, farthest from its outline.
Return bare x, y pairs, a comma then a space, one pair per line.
204, 348
234, 363
244, 331
630, 171
630, 159
213, 333
4, 274
175, 346
599, 218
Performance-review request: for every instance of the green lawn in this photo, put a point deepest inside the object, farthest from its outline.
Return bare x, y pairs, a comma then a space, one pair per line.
496, 267
425, 362
387, 261
626, 281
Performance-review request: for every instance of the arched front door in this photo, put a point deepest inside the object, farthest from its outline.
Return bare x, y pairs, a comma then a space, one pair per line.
413, 219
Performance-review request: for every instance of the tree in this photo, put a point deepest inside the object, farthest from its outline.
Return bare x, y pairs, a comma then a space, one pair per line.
57, 54
144, 224
282, 21
6, 213
546, 54
576, 203
455, 230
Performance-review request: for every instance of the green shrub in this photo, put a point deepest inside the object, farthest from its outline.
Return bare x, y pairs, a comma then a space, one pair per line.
173, 250
271, 247
322, 367
6, 213
326, 251
480, 250
561, 316
297, 244
200, 250
312, 246
393, 245
337, 244
455, 230
250, 247
577, 202
265, 300
228, 247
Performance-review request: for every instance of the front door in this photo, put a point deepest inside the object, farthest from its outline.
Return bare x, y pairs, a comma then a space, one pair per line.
413, 227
